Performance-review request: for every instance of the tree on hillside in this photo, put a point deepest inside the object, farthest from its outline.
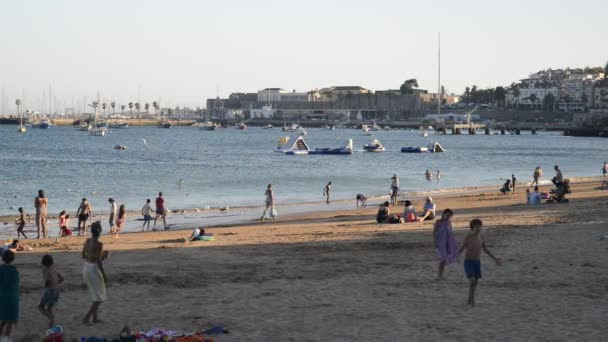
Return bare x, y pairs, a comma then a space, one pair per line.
499, 96
408, 86
533, 98
122, 107
516, 94
131, 108
137, 107
549, 102
147, 108
113, 105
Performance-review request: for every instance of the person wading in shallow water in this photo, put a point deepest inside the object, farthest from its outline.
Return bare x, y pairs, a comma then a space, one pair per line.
327, 191
269, 201
41, 203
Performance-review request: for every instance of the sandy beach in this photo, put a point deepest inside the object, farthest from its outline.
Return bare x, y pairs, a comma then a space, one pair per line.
339, 276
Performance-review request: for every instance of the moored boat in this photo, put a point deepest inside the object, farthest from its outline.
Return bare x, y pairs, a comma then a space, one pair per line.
374, 146
298, 147
119, 125
344, 150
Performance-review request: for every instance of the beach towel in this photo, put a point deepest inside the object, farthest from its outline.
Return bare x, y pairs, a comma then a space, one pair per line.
447, 250
93, 278
9, 293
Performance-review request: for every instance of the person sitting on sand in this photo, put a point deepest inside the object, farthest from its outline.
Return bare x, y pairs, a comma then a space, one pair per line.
384, 213
409, 212
535, 197
362, 199
561, 192
443, 237
13, 246
196, 233
506, 188
428, 210
474, 243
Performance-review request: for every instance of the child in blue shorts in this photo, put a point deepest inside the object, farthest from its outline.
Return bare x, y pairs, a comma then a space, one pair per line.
473, 244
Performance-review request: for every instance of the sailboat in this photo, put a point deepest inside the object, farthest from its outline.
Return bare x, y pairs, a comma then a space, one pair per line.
21, 128
97, 129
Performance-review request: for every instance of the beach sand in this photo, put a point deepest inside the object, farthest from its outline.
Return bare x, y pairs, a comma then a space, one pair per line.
338, 276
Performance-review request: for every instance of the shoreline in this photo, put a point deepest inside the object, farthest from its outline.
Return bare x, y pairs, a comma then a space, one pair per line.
337, 271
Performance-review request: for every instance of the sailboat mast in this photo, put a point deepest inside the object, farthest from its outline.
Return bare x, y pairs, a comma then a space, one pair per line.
439, 73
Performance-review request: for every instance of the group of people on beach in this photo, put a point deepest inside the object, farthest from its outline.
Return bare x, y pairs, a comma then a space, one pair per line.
93, 275
116, 218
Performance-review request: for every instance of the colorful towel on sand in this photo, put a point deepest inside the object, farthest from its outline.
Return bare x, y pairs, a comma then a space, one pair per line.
447, 249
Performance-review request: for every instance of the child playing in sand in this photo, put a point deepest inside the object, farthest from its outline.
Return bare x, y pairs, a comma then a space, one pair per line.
9, 295
21, 223
444, 241
473, 244
52, 279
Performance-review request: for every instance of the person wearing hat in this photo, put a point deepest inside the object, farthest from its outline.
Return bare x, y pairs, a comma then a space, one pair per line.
113, 210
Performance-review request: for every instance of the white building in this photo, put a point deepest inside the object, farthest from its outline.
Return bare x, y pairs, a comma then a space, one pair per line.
272, 95
266, 112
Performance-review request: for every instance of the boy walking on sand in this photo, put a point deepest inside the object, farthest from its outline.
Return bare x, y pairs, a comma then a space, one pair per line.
52, 279
21, 223
473, 244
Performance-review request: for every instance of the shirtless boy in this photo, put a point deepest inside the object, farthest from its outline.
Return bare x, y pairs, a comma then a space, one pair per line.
473, 244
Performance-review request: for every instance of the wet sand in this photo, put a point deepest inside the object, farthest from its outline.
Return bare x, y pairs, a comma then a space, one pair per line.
338, 276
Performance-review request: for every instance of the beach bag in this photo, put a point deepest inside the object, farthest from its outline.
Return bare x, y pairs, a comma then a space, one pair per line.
273, 213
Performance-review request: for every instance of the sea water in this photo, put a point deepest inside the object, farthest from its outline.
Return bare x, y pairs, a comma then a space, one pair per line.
231, 168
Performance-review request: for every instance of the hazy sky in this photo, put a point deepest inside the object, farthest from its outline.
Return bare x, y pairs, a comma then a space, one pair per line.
183, 52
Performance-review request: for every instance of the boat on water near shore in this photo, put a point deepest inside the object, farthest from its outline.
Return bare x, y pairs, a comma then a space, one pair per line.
207, 125
44, 124
242, 126
374, 146
344, 150
119, 125
98, 131
84, 127
269, 126
165, 124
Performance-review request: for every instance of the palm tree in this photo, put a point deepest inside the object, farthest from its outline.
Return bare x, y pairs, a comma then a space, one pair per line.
155, 106
113, 105
18, 103
147, 108
122, 107
533, 99
137, 106
103, 107
131, 108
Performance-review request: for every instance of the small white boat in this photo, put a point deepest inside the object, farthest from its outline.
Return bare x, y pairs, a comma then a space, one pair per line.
301, 131
208, 126
269, 126
21, 129
298, 147
98, 131
375, 127
291, 128
374, 146
242, 126
85, 127
330, 127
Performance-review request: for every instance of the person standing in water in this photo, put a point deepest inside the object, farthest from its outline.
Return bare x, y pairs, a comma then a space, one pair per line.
120, 221
269, 201
605, 170
146, 211
438, 175
538, 172
394, 189
428, 174
113, 211
42, 204
21, 223
83, 213
327, 191
93, 272
160, 211
513, 182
